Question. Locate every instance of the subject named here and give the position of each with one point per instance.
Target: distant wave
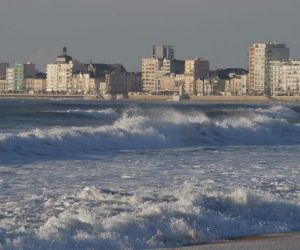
(167, 128)
(279, 112)
(89, 113)
(103, 219)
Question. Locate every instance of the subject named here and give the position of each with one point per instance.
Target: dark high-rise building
(163, 52)
(3, 67)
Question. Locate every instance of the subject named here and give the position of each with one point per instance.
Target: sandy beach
(289, 241)
(220, 99)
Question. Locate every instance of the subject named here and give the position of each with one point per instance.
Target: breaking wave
(168, 128)
(103, 219)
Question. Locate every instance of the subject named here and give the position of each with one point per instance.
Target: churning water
(103, 175)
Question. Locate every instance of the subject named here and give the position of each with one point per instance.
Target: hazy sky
(123, 30)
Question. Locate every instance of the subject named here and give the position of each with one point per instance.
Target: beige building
(35, 85)
(161, 64)
(236, 85)
(205, 87)
(195, 69)
(168, 75)
(149, 68)
(153, 70)
(285, 77)
(84, 84)
(3, 86)
(260, 55)
(172, 83)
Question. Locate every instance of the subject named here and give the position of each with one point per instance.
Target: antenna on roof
(65, 51)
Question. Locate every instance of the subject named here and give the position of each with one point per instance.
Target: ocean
(80, 174)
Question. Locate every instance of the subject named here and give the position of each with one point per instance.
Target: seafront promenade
(161, 98)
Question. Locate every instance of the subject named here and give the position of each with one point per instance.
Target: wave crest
(135, 129)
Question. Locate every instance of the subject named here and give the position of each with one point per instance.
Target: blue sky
(123, 31)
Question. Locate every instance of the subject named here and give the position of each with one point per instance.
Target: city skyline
(123, 31)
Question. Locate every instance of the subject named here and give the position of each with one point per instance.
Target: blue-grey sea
(80, 174)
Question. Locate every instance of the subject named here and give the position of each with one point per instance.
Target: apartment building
(59, 74)
(236, 85)
(172, 83)
(260, 56)
(149, 68)
(205, 87)
(35, 85)
(84, 83)
(116, 83)
(3, 86)
(29, 70)
(195, 69)
(3, 67)
(161, 64)
(285, 77)
(134, 82)
(163, 52)
(15, 77)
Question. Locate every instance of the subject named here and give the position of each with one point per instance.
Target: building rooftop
(64, 57)
(98, 70)
(224, 74)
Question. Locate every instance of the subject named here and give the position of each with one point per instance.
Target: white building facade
(60, 74)
(10, 79)
(285, 77)
(260, 56)
(59, 77)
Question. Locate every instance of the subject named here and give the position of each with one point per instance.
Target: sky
(123, 31)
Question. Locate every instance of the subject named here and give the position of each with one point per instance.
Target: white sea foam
(278, 112)
(181, 216)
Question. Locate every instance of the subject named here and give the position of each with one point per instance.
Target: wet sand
(290, 241)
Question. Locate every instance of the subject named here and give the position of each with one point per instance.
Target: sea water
(126, 175)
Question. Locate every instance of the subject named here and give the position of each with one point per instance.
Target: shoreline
(221, 99)
(165, 98)
(276, 241)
